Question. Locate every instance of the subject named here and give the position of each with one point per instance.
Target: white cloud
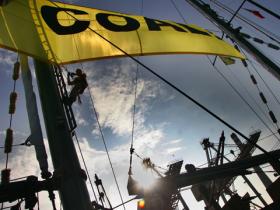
(22, 162)
(113, 96)
(7, 60)
(147, 139)
(24, 166)
(7, 57)
(81, 121)
(172, 150)
(175, 141)
(15, 132)
(114, 99)
(98, 162)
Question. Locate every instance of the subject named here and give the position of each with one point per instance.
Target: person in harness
(79, 84)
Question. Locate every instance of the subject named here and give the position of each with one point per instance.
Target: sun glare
(147, 180)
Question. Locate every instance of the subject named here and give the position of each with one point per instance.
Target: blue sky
(168, 127)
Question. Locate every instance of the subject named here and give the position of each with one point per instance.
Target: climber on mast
(80, 84)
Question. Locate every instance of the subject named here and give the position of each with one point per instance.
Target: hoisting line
(132, 149)
(105, 145)
(133, 121)
(182, 92)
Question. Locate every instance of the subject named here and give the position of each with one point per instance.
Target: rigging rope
(12, 108)
(76, 138)
(6, 173)
(236, 12)
(132, 149)
(242, 98)
(249, 22)
(231, 85)
(249, 94)
(125, 202)
(105, 145)
(16, 145)
(178, 11)
(133, 121)
(38, 201)
(81, 153)
(273, 118)
(85, 165)
(101, 135)
(265, 83)
(274, 161)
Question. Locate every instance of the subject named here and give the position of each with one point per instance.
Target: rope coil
(264, 100)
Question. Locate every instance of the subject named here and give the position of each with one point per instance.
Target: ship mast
(210, 14)
(73, 191)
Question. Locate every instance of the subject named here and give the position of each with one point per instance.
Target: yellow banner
(64, 33)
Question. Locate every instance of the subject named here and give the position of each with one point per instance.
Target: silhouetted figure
(80, 84)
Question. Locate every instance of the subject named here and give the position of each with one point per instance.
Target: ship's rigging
(272, 159)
